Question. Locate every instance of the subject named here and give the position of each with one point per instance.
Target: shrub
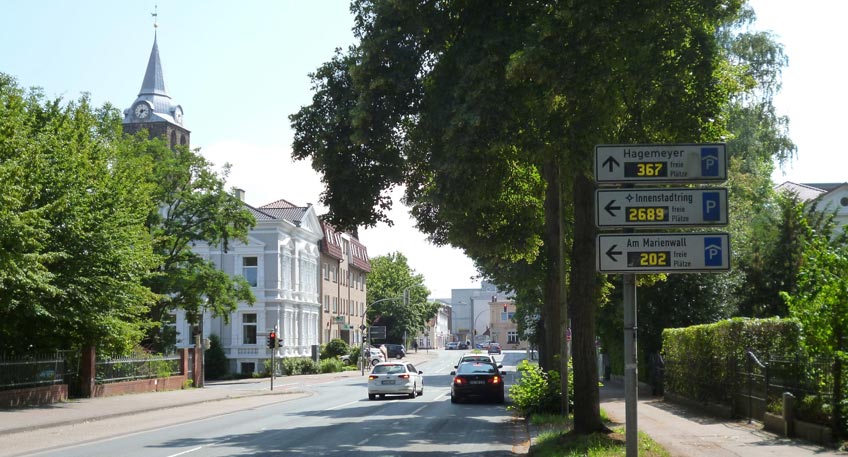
(216, 361)
(814, 409)
(299, 365)
(537, 391)
(331, 366)
(334, 349)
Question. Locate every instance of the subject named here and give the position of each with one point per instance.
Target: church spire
(153, 109)
(154, 82)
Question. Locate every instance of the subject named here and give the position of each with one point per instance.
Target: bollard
(788, 414)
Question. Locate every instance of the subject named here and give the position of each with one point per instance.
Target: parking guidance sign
(671, 207)
(660, 163)
(663, 253)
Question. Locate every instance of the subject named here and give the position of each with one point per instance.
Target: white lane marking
(186, 452)
(418, 410)
(342, 406)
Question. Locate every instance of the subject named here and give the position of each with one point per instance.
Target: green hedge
(700, 361)
(299, 365)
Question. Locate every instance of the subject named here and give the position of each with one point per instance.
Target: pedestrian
(415, 345)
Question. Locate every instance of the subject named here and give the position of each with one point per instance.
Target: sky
(239, 69)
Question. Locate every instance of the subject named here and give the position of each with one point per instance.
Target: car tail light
(403, 376)
(495, 380)
(372, 377)
(458, 381)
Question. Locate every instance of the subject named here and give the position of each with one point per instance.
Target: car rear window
(476, 368)
(388, 369)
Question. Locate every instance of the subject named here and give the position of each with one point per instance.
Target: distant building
(470, 312)
(344, 269)
(831, 197)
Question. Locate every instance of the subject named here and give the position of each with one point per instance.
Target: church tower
(153, 109)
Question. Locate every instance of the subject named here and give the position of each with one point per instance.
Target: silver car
(395, 378)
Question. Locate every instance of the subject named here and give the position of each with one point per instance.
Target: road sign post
(631, 208)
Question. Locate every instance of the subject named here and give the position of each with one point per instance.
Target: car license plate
(388, 382)
(477, 382)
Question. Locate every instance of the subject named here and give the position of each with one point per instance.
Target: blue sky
(240, 68)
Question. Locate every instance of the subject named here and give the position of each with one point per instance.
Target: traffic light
(272, 340)
(505, 307)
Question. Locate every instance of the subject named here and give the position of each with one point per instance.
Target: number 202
(653, 258)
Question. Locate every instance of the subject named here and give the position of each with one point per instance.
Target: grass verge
(558, 440)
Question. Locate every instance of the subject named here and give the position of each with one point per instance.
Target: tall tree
(75, 246)
(489, 113)
(192, 205)
(397, 297)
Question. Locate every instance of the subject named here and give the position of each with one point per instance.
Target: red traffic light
(505, 306)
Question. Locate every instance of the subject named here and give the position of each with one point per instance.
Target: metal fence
(33, 370)
(136, 366)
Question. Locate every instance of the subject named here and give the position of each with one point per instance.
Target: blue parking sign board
(709, 162)
(713, 250)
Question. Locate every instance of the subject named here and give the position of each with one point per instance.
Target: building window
(335, 305)
(327, 303)
(512, 337)
(248, 329)
(505, 317)
(250, 270)
(325, 270)
(248, 367)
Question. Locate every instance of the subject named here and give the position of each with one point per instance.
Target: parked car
(484, 345)
(477, 380)
(494, 348)
(462, 345)
(374, 357)
(395, 378)
(452, 345)
(395, 351)
(477, 358)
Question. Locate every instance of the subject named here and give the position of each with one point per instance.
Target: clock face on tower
(141, 110)
(178, 115)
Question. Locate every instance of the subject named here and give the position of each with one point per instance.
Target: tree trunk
(584, 280)
(554, 289)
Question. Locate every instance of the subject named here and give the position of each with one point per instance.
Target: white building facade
(281, 262)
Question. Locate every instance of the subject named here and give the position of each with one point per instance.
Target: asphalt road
(332, 418)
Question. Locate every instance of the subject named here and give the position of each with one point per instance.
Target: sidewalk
(686, 433)
(91, 409)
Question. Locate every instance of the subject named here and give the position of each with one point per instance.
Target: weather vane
(155, 15)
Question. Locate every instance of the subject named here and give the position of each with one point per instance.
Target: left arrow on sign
(610, 208)
(611, 253)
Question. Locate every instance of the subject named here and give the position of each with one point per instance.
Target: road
(332, 418)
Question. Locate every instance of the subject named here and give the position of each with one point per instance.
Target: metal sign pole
(631, 391)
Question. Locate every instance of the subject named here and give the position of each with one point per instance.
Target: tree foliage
(192, 206)
(75, 246)
(97, 228)
(390, 276)
(489, 112)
